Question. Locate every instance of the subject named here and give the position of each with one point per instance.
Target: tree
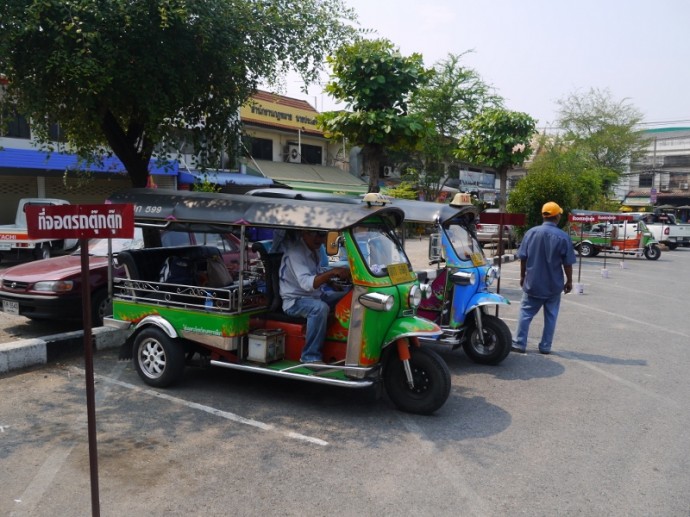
(603, 130)
(499, 139)
(375, 81)
(453, 96)
(557, 157)
(535, 189)
(132, 74)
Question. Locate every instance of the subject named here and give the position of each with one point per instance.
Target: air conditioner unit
(664, 188)
(684, 186)
(293, 155)
(387, 169)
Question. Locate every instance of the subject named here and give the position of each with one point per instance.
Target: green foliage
(535, 189)
(375, 81)
(452, 97)
(603, 130)
(128, 75)
(405, 190)
(206, 185)
(499, 139)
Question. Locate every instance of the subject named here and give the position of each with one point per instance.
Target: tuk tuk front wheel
(497, 341)
(652, 252)
(159, 361)
(431, 381)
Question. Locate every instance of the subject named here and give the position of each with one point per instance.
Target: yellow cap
(551, 209)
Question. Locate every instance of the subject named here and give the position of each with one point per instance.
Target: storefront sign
(276, 114)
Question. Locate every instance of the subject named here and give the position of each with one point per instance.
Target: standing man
(545, 254)
(301, 282)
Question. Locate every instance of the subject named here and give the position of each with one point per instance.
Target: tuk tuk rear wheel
(431, 381)
(652, 252)
(497, 341)
(158, 359)
(585, 249)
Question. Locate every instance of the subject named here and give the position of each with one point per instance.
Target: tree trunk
(371, 156)
(125, 148)
(503, 189)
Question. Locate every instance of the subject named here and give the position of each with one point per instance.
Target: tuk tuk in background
(593, 233)
(458, 290)
(374, 335)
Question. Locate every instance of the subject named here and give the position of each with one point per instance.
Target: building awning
(636, 201)
(35, 162)
(223, 178)
(314, 178)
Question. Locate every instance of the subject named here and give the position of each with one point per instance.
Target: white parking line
(212, 411)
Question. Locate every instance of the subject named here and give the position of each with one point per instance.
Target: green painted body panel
(185, 320)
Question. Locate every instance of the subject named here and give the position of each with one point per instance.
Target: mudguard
(411, 326)
(157, 321)
(477, 300)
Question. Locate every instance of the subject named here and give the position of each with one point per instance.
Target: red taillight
(667, 230)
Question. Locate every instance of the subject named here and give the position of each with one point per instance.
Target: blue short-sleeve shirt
(546, 249)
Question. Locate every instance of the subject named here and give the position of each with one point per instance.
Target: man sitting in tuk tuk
(302, 279)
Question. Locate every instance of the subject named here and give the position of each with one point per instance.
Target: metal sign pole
(88, 367)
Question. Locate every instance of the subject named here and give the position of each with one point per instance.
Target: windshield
(379, 248)
(465, 244)
(99, 247)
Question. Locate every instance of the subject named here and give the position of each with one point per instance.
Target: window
(16, 126)
(262, 148)
(646, 180)
(312, 154)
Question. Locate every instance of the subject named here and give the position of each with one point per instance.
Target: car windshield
(99, 247)
(379, 247)
(465, 244)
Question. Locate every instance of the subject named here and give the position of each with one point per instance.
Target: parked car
(50, 289)
(488, 233)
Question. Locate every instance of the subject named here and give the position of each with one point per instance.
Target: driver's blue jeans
(316, 312)
(529, 306)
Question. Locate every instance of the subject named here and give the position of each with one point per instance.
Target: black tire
(585, 249)
(497, 341)
(671, 245)
(431, 378)
(158, 359)
(652, 252)
(42, 251)
(101, 306)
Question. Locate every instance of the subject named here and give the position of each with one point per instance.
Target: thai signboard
(80, 221)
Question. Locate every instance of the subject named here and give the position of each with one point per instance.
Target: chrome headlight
(415, 296)
(377, 301)
(463, 278)
(492, 274)
(54, 286)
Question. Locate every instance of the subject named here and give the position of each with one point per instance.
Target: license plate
(10, 307)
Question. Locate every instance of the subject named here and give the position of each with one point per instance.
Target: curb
(503, 259)
(31, 352)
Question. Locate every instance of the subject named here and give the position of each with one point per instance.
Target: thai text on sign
(80, 221)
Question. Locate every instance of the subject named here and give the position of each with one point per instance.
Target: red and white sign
(595, 218)
(80, 221)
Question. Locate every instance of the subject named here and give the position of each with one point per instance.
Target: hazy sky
(535, 52)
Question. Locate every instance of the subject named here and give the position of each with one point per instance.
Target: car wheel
(431, 381)
(652, 252)
(101, 306)
(158, 359)
(586, 249)
(497, 341)
(42, 252)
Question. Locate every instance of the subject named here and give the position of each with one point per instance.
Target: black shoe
(518, 350)
(545, 352)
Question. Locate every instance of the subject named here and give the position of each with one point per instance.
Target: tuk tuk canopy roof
(160, 206)
(425, 212)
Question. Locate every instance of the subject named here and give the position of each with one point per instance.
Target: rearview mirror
(332, 243)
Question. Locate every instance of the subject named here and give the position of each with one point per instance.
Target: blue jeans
(316, 313)
(529, 306)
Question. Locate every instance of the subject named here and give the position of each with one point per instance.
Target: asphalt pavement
(597, 428)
